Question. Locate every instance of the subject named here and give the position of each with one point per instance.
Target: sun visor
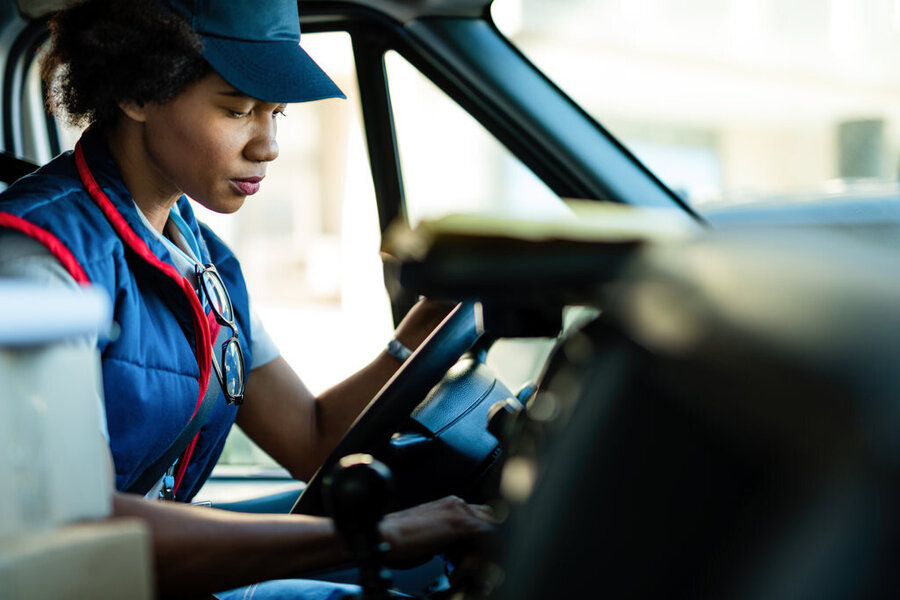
(32, 9)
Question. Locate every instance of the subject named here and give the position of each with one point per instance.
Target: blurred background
(731, 100)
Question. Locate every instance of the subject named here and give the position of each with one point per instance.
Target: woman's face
(211, 142)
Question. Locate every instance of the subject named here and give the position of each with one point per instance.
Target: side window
(450, 162)
(308, 241)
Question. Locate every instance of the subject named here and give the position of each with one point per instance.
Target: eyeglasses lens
(218, 297)
(233, 363)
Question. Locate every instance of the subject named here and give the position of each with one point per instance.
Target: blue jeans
(291, 589)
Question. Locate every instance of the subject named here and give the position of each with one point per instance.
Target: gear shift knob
(356, 493)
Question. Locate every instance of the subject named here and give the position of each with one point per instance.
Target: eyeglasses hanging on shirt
(231, 373)
(229, 364)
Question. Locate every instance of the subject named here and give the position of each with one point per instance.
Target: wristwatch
(396, 349)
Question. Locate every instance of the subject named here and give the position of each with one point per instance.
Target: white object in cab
(53, 465)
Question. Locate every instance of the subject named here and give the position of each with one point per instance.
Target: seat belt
(154, 472)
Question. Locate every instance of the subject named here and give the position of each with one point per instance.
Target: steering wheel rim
(402, 393)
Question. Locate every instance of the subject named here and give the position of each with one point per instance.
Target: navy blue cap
(255, 46)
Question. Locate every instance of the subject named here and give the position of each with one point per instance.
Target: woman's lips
(246, 186)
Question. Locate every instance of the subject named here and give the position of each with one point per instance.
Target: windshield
(740, 100)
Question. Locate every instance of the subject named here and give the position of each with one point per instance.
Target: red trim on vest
(201, 325)
(52, 243)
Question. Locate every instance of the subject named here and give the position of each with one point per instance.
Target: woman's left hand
(421, 320)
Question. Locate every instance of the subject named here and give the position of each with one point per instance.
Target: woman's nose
(263, 147)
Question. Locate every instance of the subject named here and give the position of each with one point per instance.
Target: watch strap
(396, 349)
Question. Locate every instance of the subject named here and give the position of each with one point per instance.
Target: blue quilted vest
(157, 365)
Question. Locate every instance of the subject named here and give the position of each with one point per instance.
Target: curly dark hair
(102, 52)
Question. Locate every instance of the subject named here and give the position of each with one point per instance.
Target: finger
(484, 512)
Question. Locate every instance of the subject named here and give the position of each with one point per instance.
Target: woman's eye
(237, 114)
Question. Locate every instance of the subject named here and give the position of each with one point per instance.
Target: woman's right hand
(448, 525)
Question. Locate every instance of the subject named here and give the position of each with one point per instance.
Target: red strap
(56, 247)
(201, 325)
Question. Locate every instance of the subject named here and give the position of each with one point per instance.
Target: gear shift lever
(356, 494)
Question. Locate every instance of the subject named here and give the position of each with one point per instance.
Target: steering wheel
(387, 412)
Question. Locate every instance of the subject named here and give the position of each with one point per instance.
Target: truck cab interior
(656, 399)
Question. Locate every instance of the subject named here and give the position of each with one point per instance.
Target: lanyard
(187, 261)
(188, 236)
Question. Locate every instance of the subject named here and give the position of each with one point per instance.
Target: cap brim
(269, 71)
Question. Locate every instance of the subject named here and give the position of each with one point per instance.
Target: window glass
(450, 163)
(741, 100)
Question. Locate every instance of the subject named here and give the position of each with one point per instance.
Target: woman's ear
(134, 110)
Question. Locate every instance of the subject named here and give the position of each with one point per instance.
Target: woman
(181, 98)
